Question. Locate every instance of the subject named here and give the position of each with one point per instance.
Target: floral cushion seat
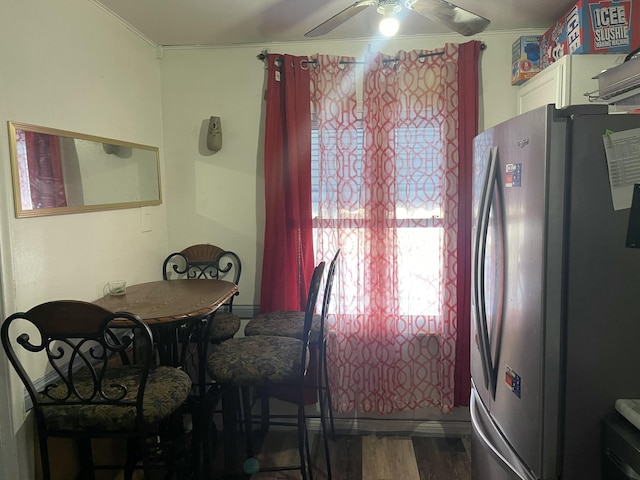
(225, 325)
(284, 324)
(166, 389)
(256, 361)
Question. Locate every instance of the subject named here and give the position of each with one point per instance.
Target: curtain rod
(262, 56)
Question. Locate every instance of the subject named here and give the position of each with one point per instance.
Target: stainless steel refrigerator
(555, 335)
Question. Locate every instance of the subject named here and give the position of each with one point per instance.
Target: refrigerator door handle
(479, 265)
(478, 410)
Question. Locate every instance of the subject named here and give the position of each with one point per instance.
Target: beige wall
(218, 198)
(68, 65)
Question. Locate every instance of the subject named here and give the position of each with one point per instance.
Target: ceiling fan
(454, 17)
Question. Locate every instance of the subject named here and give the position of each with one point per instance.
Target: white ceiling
(229, 22)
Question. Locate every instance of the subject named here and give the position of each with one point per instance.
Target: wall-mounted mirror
(56, 172)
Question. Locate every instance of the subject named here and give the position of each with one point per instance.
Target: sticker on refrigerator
(513, 175)
(513, 381)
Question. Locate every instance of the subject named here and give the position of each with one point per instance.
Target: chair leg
(133, 451)
(248, 420)
(180, 448)
(325, 442)
(85, 456)
(230, 403)
(44, 456)
(207, 412)
(321, 385)
(193, 417)
(303, 442)
(322, 388)
(229, 398)
(251, 464)
(264, 411)
(326, 389)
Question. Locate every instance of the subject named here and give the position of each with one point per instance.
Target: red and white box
(593, 26)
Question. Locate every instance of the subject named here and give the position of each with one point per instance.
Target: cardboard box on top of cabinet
(593, 26)
(525, 58)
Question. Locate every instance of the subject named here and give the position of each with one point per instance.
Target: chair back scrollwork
(204, 262)
(85, 348)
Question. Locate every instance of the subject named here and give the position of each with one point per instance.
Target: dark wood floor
(369, 457)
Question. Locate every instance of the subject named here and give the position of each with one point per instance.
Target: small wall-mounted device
(214, 134)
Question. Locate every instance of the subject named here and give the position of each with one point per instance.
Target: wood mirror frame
(56, 172)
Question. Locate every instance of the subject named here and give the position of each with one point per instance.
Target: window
(418, 218)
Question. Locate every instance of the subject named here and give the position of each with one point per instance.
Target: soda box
(593, 26)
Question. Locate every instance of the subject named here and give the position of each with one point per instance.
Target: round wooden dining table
(169, 305)
(169, 301)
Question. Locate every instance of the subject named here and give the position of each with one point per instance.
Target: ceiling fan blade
(457, 18)
(339, 18)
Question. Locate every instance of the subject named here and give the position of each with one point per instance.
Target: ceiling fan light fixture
(455, 18)
(389, 25)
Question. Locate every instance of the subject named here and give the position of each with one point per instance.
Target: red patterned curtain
(44, 170)
(388, 197)
(288, 239)
(469, 112)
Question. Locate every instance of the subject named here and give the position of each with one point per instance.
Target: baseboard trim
(246, 311)
(429, 428)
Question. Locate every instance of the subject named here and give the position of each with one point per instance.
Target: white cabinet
(565, 82)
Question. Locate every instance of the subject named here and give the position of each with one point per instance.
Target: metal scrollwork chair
(99, 382)
(290, 324)
(205, 261)
(260, 363)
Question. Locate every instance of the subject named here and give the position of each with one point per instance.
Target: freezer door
(508, 282)
(491, 455)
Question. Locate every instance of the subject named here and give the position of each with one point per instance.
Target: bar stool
(290, 324)
(260, 363)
